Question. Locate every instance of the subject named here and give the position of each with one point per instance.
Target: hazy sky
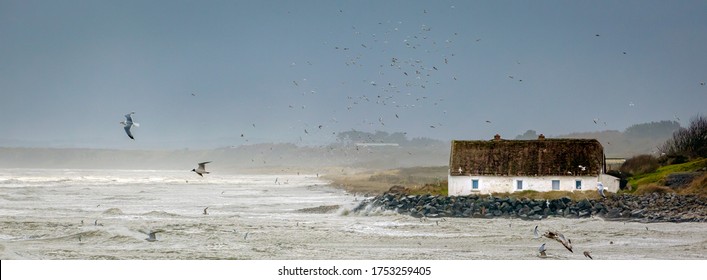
(201, 73)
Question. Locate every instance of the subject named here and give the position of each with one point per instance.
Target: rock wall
(646, 208)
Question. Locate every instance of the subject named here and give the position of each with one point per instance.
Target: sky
(205, 74)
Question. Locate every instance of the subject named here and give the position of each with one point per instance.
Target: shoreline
(648, 208)
(376, 182)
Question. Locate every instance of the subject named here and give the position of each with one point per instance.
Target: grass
(417, 179)
(698, 186)
(657, 177)
(439, 188)
(652, 188)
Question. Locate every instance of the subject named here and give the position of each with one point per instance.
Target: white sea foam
(103, 214)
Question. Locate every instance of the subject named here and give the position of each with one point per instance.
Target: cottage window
(475, 184)
(578, 184)
(519, 184)
(555, 185)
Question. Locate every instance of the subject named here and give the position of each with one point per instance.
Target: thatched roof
(527, 157)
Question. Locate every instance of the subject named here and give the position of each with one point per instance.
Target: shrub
(672, 159)
(690, 142)
(640, 164)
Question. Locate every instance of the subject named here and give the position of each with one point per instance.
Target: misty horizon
(231, 142)
(218, 74)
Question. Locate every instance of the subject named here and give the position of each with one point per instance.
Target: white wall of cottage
(462, 185)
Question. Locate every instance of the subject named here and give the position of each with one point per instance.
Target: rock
(655, 207)
(584, 204)
(525, 210)
(613, 213)
(637, 213)
(682, 179)
(558, 203)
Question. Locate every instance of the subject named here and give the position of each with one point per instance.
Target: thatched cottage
(499, 166)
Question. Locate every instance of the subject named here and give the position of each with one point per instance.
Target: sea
(85, 214)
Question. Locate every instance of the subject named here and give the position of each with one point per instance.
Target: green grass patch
(659, 175)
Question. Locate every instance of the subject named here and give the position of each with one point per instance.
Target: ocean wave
(122, 238)
(113, 211)
(52, 177)
(161, 214)
(17, 198)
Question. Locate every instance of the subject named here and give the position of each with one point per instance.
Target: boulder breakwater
(656, 207)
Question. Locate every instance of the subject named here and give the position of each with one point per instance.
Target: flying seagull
(600, 189)
(201, 169)
(542, 250)
(587, 254)
(128, 123)
(536, 235)
(559, 237)
(152, 235)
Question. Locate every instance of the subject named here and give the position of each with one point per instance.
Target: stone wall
(647, 208)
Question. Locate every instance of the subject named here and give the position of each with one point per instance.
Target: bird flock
(402, 82)
(390, 70)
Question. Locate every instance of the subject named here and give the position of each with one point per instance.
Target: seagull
(600, 189)
(587, 254)
(536, 235)
(128, 123)
(151, 236)
(201, 169)
(542, 250)
(559, 237)
(206, 213)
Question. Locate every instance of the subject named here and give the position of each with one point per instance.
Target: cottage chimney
(541, 137)
(497, 137)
